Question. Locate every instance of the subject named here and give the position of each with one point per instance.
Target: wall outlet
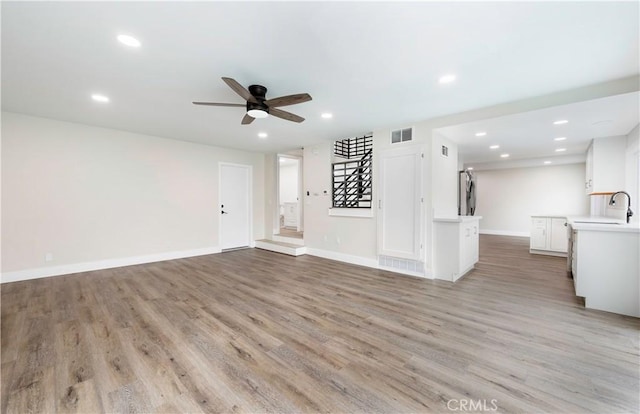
(338, 240)
(325, 238)
(48, 257)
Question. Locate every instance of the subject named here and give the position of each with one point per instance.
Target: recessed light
(469, 168)
(561, 122)
(327, 115)
(547, 162)
(560, 139)
(129, 40)
(561, 149)
(504, 155)
(494, 147)
(262, 135)
(99, 98)
(480, 134)
(447, 78)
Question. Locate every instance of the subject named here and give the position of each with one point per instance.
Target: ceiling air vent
(401, 135)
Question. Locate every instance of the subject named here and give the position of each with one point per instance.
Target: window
(353, 179)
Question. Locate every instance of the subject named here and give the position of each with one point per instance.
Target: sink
(597, 222)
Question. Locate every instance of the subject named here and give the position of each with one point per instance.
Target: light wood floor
(291, 232)
(255, 331)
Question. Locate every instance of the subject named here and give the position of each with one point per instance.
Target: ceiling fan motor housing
(259, 92)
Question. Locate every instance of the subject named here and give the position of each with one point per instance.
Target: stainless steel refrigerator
(466, 193)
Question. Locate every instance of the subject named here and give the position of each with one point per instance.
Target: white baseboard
(506, 233)
(102, 264)
(341, 257)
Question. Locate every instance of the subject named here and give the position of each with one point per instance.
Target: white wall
(507, 198)
(445, 177)
(632, 174)
(346, 236)
(289, 183)
(87, 194)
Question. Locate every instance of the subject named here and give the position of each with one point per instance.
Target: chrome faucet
(612, 202)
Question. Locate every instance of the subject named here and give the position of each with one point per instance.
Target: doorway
(235, 224)
(290, 218)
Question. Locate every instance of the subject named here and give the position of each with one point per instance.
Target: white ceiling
(530, 135)
(373, 65)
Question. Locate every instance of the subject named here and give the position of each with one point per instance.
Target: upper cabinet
(605, 165)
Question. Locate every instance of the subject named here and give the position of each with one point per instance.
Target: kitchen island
(605, 263)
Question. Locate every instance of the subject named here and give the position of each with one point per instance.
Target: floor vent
(412, 267)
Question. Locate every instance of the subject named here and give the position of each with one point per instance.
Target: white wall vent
(401, 135)
(407, 266)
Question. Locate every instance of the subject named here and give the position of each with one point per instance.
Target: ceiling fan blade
(247, 119)
(288, 100)
(285, 115)
(240, 90)
(219, 104)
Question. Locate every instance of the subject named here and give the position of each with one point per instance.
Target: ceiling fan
(258, 106)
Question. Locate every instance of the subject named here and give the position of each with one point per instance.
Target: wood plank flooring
(254, 331)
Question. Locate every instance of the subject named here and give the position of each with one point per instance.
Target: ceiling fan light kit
(258, 106)
(257, 113)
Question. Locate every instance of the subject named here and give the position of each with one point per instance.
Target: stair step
(290, 240)
(281, 247)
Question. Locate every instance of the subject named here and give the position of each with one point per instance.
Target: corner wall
(97, 196)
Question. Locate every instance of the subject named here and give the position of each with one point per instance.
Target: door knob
(224, 212)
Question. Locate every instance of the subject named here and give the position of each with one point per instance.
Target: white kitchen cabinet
(469, 245)
(605, 267)
(456, 246)
(538, 240)
(605, 165)
(548, 235)
(558, 238)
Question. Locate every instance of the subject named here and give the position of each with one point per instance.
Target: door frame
(249, 168)
(300, 159)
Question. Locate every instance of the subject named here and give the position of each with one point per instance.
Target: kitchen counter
(605, 265)
(456, 248)
(595, 223)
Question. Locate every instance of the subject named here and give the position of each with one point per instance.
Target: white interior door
(235, 205)
(399, 203)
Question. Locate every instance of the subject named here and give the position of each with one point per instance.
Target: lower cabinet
(456, 247)
(606, 270)
(469, 245)
(549, 235)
